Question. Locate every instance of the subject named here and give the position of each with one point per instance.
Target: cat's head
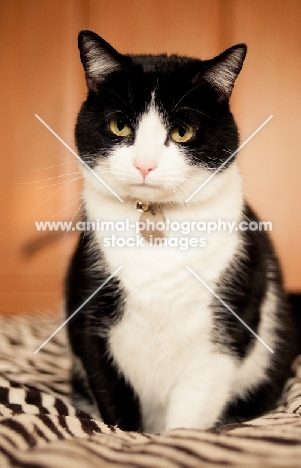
(156, 127)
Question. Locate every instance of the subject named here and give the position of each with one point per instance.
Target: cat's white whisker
(62, 184)
(56, 191)
(55, 165)
(78, 157)
(65, 208)
(265, 200)
(174, 108)
(50, 178)
(119, 97)
(177, 195)
(80, 206)
(66, 232)
(198, 111)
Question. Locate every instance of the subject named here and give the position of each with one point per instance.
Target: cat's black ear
(222, 71)
(98, 57)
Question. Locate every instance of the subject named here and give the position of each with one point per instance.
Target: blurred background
(41, 74)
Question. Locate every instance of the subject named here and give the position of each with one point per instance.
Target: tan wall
(41, 73)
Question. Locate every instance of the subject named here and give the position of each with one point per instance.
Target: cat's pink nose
(145, 170)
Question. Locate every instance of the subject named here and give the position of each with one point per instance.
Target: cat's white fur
(163, 342)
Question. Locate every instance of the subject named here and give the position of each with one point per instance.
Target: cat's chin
(148, 193)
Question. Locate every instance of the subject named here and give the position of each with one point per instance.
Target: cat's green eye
(120, 127)
(181, 134)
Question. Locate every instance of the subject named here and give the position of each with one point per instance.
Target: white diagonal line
(229, 308)
(77, 310)
(76, 155)
(228, 159)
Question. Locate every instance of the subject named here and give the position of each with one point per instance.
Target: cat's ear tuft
(98, 57)
(223, 70)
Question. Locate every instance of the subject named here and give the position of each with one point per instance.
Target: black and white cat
(155, 349)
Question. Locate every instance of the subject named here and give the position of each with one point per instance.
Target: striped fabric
(39, 427)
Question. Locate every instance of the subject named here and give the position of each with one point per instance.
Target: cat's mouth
(146, 185)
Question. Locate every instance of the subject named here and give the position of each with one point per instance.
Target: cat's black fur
(186, 93)
(249, 279)
(114, 398)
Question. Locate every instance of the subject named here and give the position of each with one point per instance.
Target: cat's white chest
(164, 338)
(162, 332)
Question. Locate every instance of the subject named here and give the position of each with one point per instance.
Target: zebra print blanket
(39, 427)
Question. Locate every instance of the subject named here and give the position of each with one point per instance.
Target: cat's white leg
(198, 401)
